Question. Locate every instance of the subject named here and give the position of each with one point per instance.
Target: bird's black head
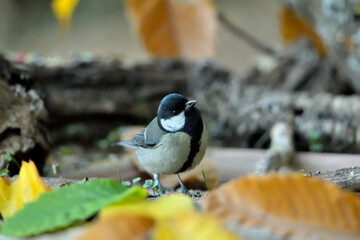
(176, 113)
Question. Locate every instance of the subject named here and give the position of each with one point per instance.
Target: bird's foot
(161, 190)
(184, 190)
(183, 187)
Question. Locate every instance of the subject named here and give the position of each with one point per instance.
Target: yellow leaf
(175, 28)
(198, 226)
(63, 10)
(168, 217)
(25, 189)
(292, 27)
(288, 204)
(160, 209)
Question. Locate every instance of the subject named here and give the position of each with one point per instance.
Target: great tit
(175, 141)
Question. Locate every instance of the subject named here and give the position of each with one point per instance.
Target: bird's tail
(125, 144)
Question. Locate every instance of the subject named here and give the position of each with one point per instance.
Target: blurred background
(105, 28)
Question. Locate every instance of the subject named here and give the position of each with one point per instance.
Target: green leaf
(54, 168)
(205, 180)
(316, 147)
(126, 183)
(5, 171)
(135, 180)
(148, 183)
(75, 129)
(315, 135)
(65, 150)
(8, 157)
(63, 206)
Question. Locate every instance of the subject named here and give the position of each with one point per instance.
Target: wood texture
(281, 150)
(104, 95)
(21, 130)
(337, 24)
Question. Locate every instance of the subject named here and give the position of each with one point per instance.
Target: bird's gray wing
(149, 137)
(153, 133)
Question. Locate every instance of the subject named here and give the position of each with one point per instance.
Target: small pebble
(317, 173)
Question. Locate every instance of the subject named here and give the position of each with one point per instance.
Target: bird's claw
(184, 190)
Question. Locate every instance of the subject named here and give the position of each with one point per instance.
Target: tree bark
(22, 134)
(347, 178)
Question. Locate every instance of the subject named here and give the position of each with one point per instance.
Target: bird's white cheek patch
(175, 123)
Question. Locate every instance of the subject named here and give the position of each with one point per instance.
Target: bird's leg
(183, 187)
(161, 189)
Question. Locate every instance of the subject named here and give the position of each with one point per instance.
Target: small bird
(175, 141)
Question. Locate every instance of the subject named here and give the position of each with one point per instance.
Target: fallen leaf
(192, 225)
(167, 217)
(25, 189)
(66, 205)
(160, 209)
(111, 228)
(292, 27)
(288, 204)
(175, 28)
(63, 10)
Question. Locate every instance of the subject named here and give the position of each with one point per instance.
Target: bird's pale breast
(168, 157)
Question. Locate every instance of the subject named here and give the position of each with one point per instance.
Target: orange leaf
(25, 189)
(168, 217)
(128, 227)
(288, 204)
(175, 28)
(292, 27)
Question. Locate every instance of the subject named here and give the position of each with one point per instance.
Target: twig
(281, 150)
(241, 33)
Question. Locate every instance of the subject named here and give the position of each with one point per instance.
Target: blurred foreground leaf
(191, 225)
(169, 217)
(25, 189)
(175, 28)
(63, 206)
(288, 204)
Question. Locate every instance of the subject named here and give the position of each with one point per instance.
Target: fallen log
(22, 134)
(104, 95)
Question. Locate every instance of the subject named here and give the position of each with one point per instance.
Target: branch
(347, 178)
(242, 34)
(281, 150)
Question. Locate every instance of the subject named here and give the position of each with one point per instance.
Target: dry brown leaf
(175, 28)
(119, 227)
(292, 27)
(288, 204)
(169, 217)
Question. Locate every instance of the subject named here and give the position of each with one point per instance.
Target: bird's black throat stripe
(195, 133)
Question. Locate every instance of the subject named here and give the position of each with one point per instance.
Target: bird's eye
(174, 113)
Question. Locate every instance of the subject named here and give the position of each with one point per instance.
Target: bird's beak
(189, 104)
